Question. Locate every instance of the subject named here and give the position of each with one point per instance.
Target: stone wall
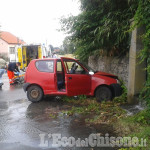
(113, 65)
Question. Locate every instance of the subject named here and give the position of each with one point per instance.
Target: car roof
(53, 58)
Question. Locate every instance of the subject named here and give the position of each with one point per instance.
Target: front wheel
(34, 93)
(103, 93)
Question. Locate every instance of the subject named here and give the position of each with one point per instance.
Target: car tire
(103, 94)
(34, 93)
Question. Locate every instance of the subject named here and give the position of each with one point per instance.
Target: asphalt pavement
(34, 126)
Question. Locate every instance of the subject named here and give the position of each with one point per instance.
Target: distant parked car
(70, 77)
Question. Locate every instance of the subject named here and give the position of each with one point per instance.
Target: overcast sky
(36, 21)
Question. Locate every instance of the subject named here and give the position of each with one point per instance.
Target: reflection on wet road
(21, 121)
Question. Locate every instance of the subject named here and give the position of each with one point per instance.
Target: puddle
(133, 109)
(23, 121)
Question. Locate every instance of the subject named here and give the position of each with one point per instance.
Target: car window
(87, 67)
(72, 67)
(45, 66)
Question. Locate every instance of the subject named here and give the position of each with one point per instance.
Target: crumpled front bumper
(116, 89)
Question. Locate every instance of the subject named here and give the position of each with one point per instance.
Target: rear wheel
(34, 93)
(103, 93)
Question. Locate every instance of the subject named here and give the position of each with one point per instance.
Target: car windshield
(87, 67)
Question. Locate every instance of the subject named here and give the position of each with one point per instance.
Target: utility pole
(137, 72)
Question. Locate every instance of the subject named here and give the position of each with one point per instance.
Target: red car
(70, 77)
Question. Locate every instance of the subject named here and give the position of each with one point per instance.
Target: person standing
(12, 67)
(54, 55)
(2, 70)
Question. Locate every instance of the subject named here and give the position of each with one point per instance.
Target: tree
(102, 26)
(51, 47)
(68, 46)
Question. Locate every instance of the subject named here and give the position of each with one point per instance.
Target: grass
(130, 126)
(111, 113)
(101, 112)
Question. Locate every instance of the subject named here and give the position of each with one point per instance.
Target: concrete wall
(129, 69)
(113, 65)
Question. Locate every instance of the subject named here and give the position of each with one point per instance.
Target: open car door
(77, 78)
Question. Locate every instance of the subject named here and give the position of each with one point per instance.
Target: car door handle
(69, 78)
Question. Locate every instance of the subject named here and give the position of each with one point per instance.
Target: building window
(12, 50)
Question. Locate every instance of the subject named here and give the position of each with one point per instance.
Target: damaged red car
(70, 77)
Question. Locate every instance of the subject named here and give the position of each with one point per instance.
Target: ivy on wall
(142, 18)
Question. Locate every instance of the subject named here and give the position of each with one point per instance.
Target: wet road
(23, 124)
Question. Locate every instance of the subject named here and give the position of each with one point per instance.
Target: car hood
(106, 74)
